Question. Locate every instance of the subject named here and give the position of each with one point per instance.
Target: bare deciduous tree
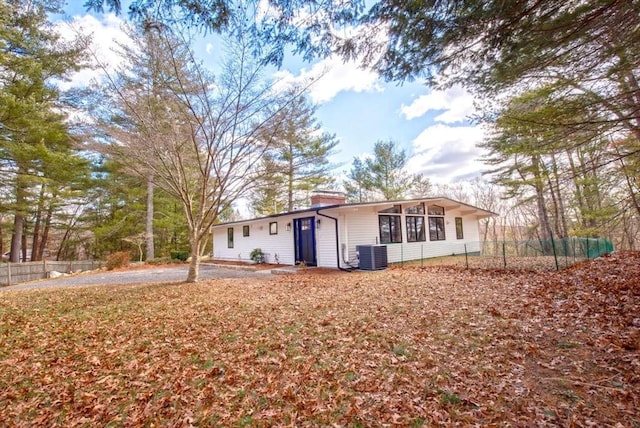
(200, 137)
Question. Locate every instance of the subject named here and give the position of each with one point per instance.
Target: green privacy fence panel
(596, 247)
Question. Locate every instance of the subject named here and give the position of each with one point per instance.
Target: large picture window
(230, 237)
(436, 229)
(390, 229)
(415, 229)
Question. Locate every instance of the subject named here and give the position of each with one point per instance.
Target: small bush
(257, 255)
(118, 259)
(180, 255)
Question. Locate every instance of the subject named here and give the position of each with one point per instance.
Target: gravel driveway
(152, 274)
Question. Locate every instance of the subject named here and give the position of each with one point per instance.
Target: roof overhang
(446, 203)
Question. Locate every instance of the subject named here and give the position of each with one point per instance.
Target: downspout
(335, 220)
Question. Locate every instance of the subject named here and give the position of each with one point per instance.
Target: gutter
(335, 220)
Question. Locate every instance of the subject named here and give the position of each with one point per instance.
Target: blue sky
(355, 105)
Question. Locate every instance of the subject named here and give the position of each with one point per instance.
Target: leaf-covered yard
(407, 346)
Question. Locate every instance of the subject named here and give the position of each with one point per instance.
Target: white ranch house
(329, 233)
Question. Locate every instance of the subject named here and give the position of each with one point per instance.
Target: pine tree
(36, 149)
(382, 177)
(357, 184)
(297, 162)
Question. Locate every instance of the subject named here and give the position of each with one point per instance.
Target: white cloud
(208, 48)
(333, 76)
(447, 153)
(456, 102)
(104, 36)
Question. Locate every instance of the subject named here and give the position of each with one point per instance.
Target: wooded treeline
(151, 156)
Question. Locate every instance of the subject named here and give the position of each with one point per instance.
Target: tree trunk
(290, 172)
(590, 192)
(543, 217)
(629, 182)
(25, 255)
(18, 220)
(63, 243)
(45, 231)
(1, 237)
(36, 243)
(194, 266)
(561, 205)
(579, 189)
(555, 206)
(149, 225)
(70, 227)
(16, 238)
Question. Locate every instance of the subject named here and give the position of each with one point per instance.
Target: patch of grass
(350, 376)
(450, 398)
(418, 422)
(561, 296)
(230, 337)
(246, 421)
(401, 349)
(567, 345)
(569, 395)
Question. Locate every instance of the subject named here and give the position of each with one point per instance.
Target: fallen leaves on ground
(407, 346)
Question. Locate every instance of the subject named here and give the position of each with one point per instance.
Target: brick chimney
(320, 198)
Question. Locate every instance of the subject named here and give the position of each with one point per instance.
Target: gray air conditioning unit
(372, 257)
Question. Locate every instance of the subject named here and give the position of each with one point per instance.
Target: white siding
(278, 248)
(357, 225)
(282, 244)
(326, 243)
(360, 227)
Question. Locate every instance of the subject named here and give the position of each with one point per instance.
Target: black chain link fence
(553, 254)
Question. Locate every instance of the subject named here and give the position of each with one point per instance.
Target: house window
(396, 209)
(415, 209)
(390, 229)
(415, 229)
(436, 223)
(435, 210)
(459, 232)
(245, 230)
(273, 228)
(436, 229)
(230, 237)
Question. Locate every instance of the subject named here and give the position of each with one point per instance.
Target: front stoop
(234, 267)
(282, 270)
(287, 270)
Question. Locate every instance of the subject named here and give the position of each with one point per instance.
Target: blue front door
(305, 240)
